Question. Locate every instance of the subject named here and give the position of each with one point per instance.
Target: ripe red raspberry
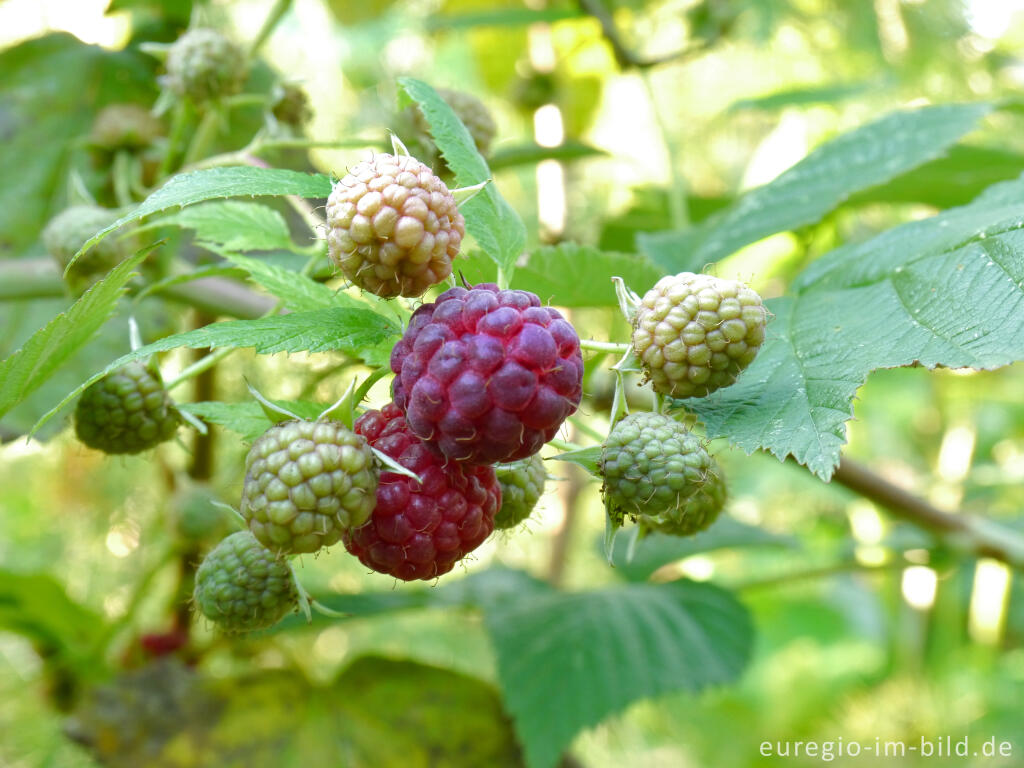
(487, 375)
(420, 530)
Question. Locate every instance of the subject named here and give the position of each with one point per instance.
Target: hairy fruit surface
(660, 474)
(306, 483)
(419, 530)
(241, 586)
(487, 375)
(203, 65)
(393, 226)
(522, 485)
(127, 411)
(696, 333)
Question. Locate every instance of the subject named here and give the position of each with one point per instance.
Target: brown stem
(974, 534)
(624, 56)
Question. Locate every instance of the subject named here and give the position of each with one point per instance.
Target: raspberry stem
(603, 346)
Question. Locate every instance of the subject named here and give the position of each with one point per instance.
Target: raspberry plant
(445, 376)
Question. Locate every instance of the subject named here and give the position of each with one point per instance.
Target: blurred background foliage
(866, 627)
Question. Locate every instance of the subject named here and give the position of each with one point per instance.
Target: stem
(30, 279)
(816, 573)
(277, 11)
(564, 445)
(677, 192)
(625, 57)
(203, 137)
(179, 124)
(198, 367)
(603, 346)
(977, 535)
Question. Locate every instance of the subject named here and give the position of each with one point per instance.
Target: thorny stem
(277, 12)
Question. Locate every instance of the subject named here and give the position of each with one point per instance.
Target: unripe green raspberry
(291, 105)
(124, 126)
(241, 586)
(306, 483)
(471, 111)
(393, 226)
(522, 485)
(696, 333)
(66, 234)
(203, 65)
(197, 518)
(660, 474)
(127, 411)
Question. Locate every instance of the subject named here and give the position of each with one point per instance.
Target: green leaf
(248, 418)
(830, 93)
(195, 187)
(655, 549)
(50, 346)
(341, 329)
(233, 225)
(567, 661)
(956, 179)
(40, 142)
(378, 712)
(569, 274)
(863, 158)
(945, 291)
(298, 292)
(489, 218)
(588, 458)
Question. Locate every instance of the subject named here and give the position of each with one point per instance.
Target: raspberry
(487, 375)
(241, 586)
(393, 226)
(203, 65)
(696, 333)
(306, 482)
(661, 475)
(127, 411)
(471, 111)
(124, 126)
(68, 231)
(522, 485)
(420, 530)
(291, 105)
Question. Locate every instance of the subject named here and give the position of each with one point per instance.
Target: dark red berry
(419, 530)
(487, 375)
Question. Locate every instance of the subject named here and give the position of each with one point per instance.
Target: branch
(40, 278)
(624, 56)
(977, 535)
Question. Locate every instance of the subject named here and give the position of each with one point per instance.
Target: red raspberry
(487, 375)
(419, 531)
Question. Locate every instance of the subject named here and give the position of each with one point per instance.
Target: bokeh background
(865, 627)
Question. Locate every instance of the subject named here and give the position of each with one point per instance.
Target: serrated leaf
(489, 218)
(341, 329)
(213, 183)
(863, 158)
(49, 347)
(945, 291)
(607, 649)
(656, 549)
(233, 225)
(588, 458)
(298, 292)
(247, 418)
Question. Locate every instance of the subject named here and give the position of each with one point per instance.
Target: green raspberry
(203, 65)
(659, 474)
(696, 333)
(67, 232)
(471, 111)
(306, 483)
(197, 518)
(124, 126)
(291, 105)
(241, 586)
(127, 411)
(522, 485)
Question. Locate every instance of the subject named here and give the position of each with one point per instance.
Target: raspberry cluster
(420, 529)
